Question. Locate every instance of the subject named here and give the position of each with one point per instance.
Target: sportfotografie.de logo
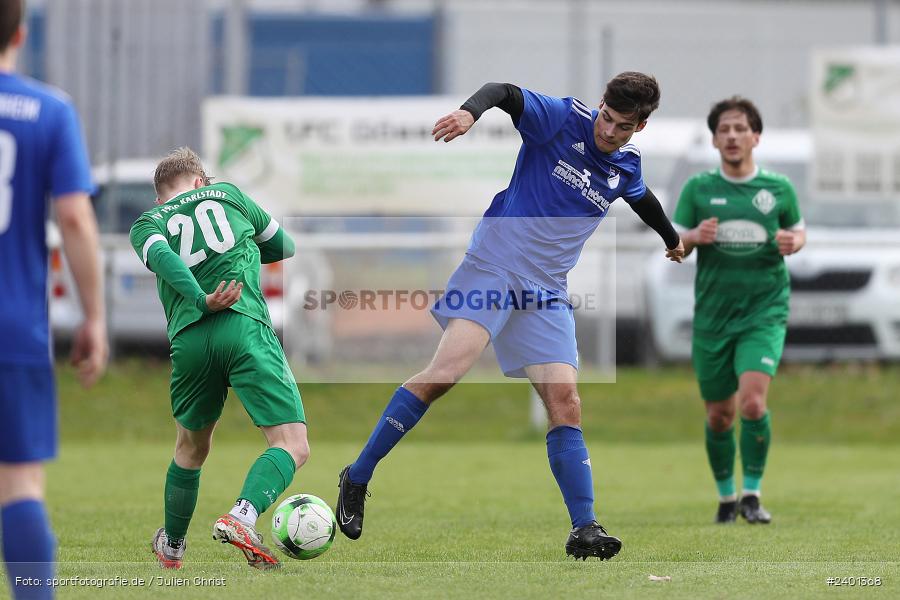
(419, 299)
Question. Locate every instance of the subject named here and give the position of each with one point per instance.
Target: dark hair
(735, 103)
(10, 18)
(632, 93)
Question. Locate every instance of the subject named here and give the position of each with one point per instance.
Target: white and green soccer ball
(303, 526)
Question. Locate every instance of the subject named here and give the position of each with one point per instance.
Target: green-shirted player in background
(743, 220)
(199, 237)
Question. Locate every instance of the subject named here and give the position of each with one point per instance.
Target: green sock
(270, 475)
(755, 438)
(182, 486)
(721, 449)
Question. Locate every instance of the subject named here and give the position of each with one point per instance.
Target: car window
(118, 206)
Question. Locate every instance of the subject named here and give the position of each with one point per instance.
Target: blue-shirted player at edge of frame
(573, 163)
(42, 156)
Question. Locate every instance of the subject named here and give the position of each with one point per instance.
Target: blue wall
(294, 55)
(34, 45)
(312, 55)
(341, 55)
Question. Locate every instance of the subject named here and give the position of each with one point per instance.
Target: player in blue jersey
(573, 163)
(42, 156)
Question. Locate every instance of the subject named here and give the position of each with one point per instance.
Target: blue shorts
(529, 325)
(28, 430)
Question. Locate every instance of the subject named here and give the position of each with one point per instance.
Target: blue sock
(28, 548)
(571, 466)
(402, 413)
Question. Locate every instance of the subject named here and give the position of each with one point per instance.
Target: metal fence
(136, 69)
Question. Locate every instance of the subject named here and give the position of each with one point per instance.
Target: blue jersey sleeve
(71, 169)
(542, 117)
(636, 188)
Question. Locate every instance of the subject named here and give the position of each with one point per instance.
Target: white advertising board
(334, 156)
(855, 101)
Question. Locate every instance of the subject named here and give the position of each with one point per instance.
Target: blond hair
(180, 162)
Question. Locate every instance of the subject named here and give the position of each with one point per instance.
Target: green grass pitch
(467, 506)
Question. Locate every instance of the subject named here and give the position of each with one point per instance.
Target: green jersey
(215, 231)
(741, 278)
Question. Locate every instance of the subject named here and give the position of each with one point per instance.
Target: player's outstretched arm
(81, 241)
(651, 212)
(676, 254)
(505, 96)
(450, 127)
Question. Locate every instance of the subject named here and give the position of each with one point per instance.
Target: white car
(845, 284)
(843, 300)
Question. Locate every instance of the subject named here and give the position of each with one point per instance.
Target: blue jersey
(42, 154)
(560, 190)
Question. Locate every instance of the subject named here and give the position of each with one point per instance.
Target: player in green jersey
(199, 237)
(743, 220)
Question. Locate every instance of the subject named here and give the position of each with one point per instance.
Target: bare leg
(192, 447)
(461, 344)
(290, 437)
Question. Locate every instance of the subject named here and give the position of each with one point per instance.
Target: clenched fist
(706, 231)
(788, 242)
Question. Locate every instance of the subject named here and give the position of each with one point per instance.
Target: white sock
(746, 493)
(728, 498)
(244, 512)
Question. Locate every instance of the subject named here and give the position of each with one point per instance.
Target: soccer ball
(303, 526)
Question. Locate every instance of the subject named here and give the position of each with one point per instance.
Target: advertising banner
(855, 103)
(338, 156)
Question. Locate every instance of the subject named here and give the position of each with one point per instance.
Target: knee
(720, 418)
(753, 410)
(21, 482)
(753, 405)
(720, 422)
(192, 454)
(564, 407)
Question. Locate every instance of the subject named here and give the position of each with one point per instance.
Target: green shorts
(228, 349)
(720, 359)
